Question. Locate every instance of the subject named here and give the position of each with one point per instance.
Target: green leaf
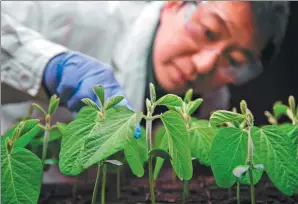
(24, 127)
(152, 92)
(110, 136)
(279, 109)
(113, 101)
(292, 104)
(61, 127)
(54, 103)
(113, 162)
(188, 96)
(100, 93)
(73, 140)
(133, 158)
(40, 109)
(179, 143)
(162, 145)
(169, 100)
(86, 112)
(193, 106)
(221, 117)
(25, 139)
(159, 153)
(21, 175)
(228, 150)
(257, 175)
(276, 151)
(90, 103)
(201, 140)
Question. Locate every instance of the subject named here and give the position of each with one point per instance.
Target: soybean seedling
(21, 170)
(53, 105)
(243, 154)
(175, 143)
(290, 111)
(97, 133)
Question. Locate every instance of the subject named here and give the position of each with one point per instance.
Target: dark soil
(136, 190)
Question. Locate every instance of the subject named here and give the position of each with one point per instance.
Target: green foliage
(90, 103)
(201, 139)
(99, 91)
(113, 101)
(228, 150)
(21, 170)
(222, 117)
(192, 106)
(178, 144)
(170, 100)
(276, 151)
(54, 103)
(109, 136)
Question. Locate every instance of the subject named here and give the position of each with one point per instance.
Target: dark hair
(271, 20)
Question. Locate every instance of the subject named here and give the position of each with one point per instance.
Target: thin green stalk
(118, 183)
(46, 139)
(149, 147)
(185, 191)
(96, 185)
(74, 188)
(250, 163)
(238, 192)
(230, 192)
(45, 146)
(103, 185)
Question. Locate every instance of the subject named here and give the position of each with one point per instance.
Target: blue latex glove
(72, 76)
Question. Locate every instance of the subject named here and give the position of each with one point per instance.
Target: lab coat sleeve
(24, 55)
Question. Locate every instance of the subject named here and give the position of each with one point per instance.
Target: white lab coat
(116, 33)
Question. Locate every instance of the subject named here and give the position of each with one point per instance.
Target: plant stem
(149, 147)
(118, 183)
(96, 185)
(230, 192)
(185, 191)
(45, 146)
(103, 185)
(238, 192)
(250, 163)
(74, 188)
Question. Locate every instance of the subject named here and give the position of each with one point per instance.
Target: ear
(171, 6)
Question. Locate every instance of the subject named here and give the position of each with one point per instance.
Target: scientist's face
(192, 39)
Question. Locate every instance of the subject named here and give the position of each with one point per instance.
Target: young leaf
(279, 109)
(114, 135)
(170, 100)
(292, 104)
(276, 151)
(24, 127)
(228, 150)
(113, 162)
(25, 139)
(54, 103)
(179, 143)
(201, 140)
(90, 103)
(133, 158)
(193, 106)
(221, 117)
(85, 112)
(73, 141)
(100, 93)
(21, 175)
(159, 153)
(188, 96)
(113, 101)
(40, 109)
(152, 93)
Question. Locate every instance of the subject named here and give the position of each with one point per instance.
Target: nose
(205, 60)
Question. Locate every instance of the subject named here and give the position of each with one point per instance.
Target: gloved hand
(72, 76)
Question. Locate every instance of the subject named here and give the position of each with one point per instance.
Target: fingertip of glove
(138, 132)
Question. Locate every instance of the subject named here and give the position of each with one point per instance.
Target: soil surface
(167, 190)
